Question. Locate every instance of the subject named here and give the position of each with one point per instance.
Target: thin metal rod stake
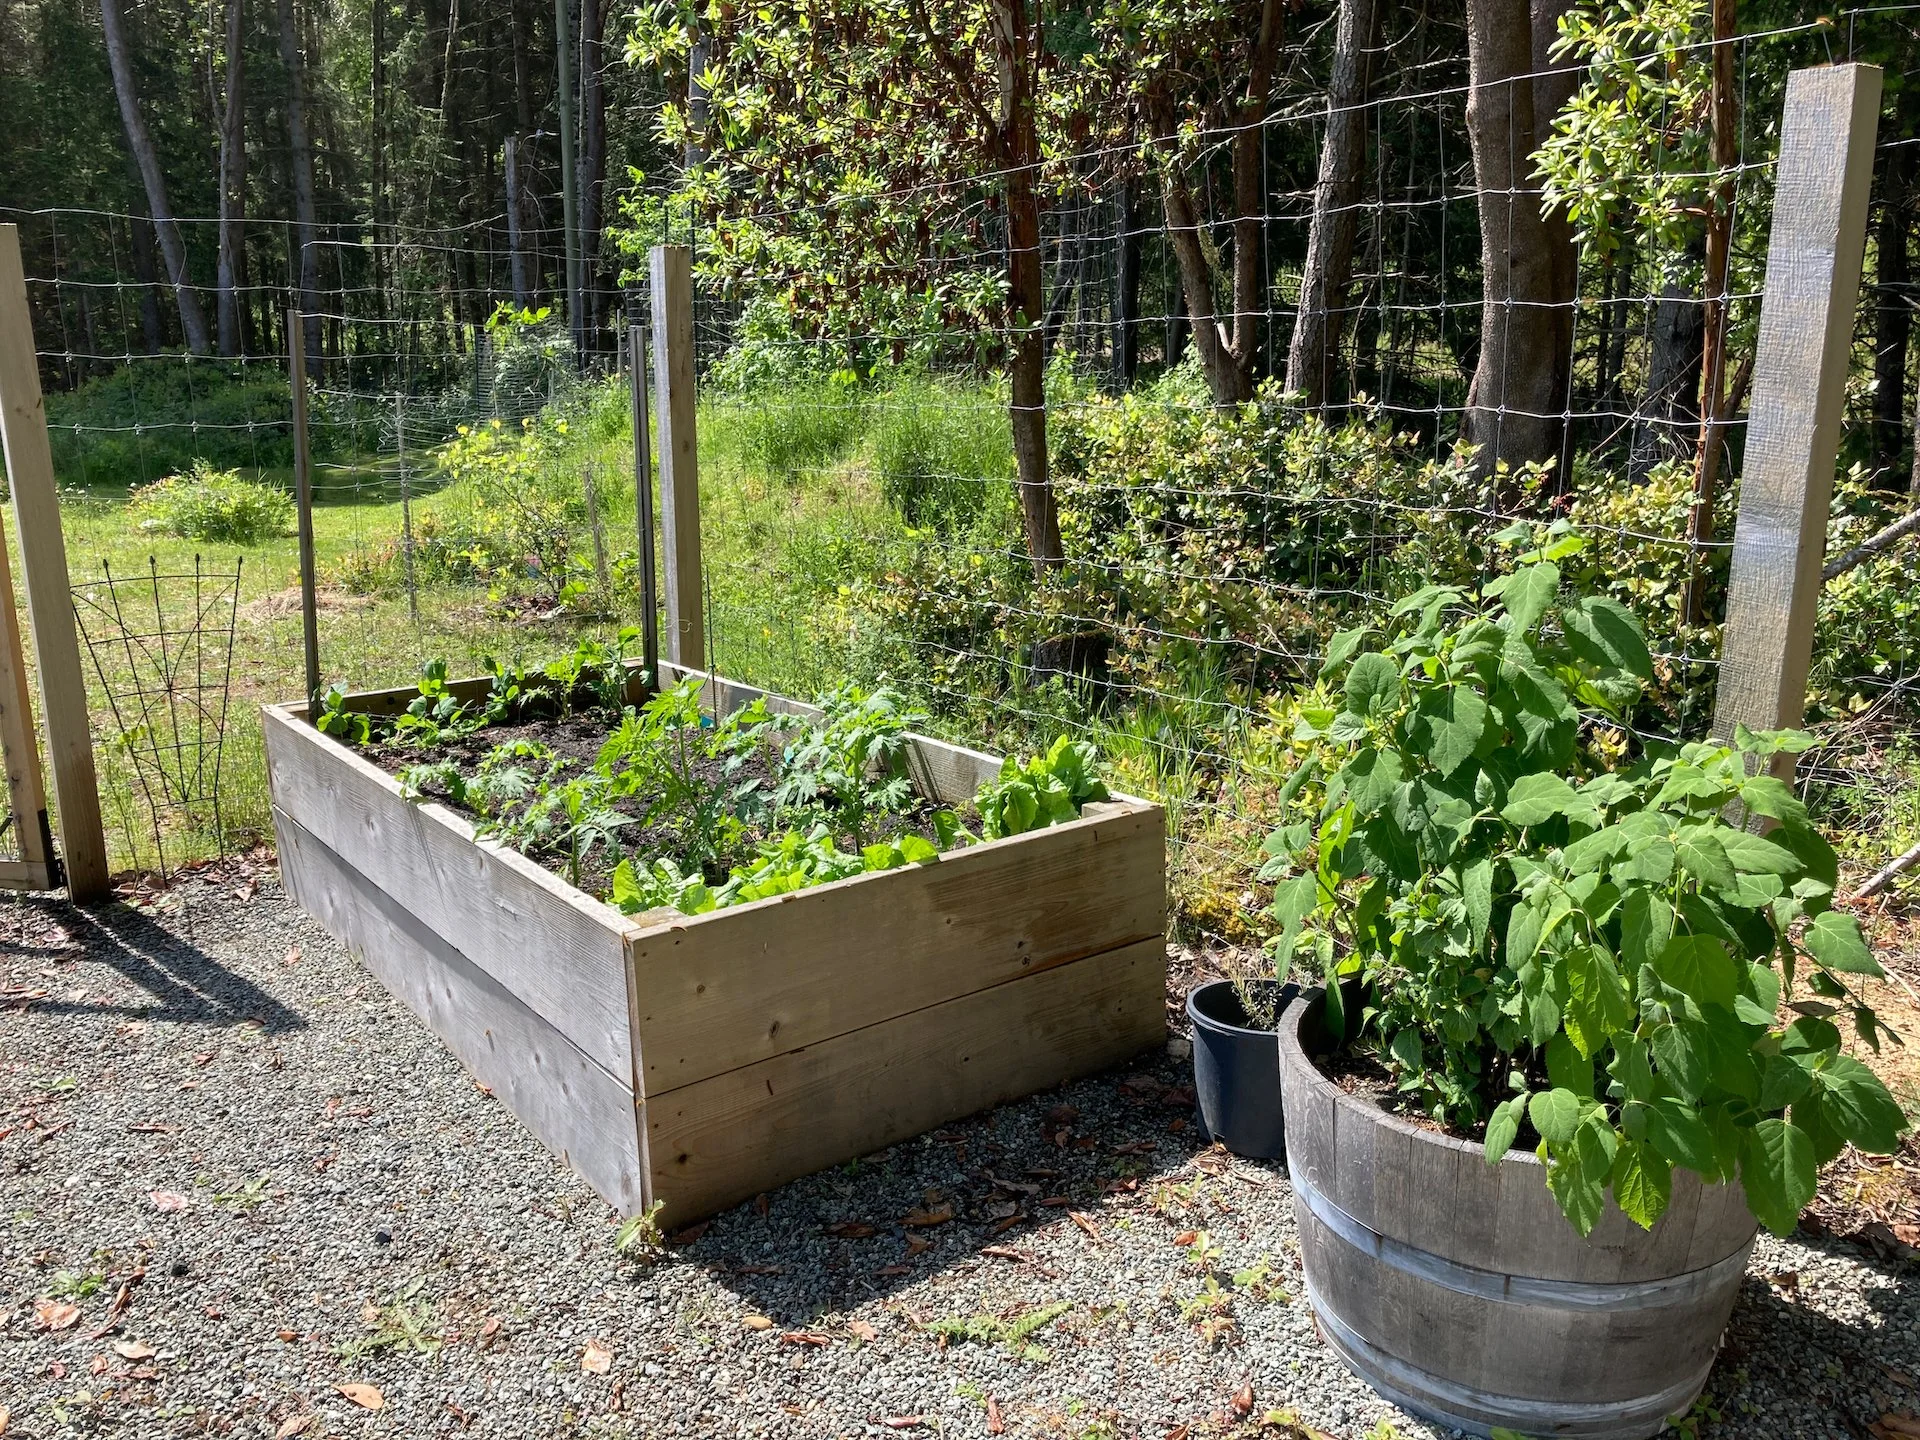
(643, 495)
(303, 504)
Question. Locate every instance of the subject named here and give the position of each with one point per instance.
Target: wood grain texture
(20, 749)
(719, 991)
(43, 566)
(725, 1139)
(562, 952)
(1798, 395)
(574, 1106)
(671, 268)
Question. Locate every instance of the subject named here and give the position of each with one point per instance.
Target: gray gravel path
(257, 1179)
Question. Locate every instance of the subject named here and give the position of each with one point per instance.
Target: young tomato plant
(1557, 930)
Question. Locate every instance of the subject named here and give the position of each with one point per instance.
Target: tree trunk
(1126, 287)
(522, 68)
(233, 186)
(193, 320)
(1713, 350)
(697, 94)
(1893, 315)
(1020, 146)
(593, 161)
(305, 235)
(1314, 353)
(1554, 83)
(1196, 277)
(1513, 407)
(516, 251)
(1669, 411)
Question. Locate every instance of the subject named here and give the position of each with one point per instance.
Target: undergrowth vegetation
(217, 506)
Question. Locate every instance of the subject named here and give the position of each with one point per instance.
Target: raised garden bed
(700, 1060)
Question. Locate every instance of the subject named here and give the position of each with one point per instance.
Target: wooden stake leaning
(303, 503)
(1799, 381)
(643, 507)
(43, 564)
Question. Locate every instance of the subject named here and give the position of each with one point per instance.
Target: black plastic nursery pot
(1236, 1069)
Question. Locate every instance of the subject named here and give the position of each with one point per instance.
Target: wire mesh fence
(860, 455)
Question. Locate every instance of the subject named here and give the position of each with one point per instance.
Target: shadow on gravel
(988, 1190)
(187, 985)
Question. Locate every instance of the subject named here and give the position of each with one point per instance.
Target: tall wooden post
(43, 563)
(643, 506)
(303, 504)
(672, 276)
(1799, 391)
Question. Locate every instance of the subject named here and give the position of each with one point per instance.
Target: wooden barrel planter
(1461, 1293)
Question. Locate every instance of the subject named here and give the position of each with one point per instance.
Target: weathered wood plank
(43, 566)
(727, 1138)
(672, 274)
(734, 987)
(1801, 359)
(575, 1107)
(562, 952)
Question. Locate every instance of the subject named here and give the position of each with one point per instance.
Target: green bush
(156, 417)
(216, 506)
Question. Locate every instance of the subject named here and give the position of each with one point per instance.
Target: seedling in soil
(253, 1193)
(1012, 1335)
(640, 1235)
(405, 1323)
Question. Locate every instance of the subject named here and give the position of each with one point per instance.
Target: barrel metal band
(1476, 1411)
(1516, 1289)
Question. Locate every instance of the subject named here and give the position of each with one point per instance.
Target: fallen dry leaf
(917, 1244)
(596, 1359)
(489, 1330)
(367, 1397)
(205, 1057)
(133, 1349)
(6, 1416)
(922, 1219)
(904, 1422)
(167, 1201)
(761, 1205)
(1062, 1115)
(757, 1322)
(1000, 1227)
(850, 1230)
(1005, 1252)
(1243, 1399)
(805, 1337)
(1186, 1238)
(861, 1330)
(1894, 1427)
(995, 1425)
(293, 955)
(55, 1314)
(293, 1425)
(1085, 1222)
(894, 1270)
(98, 1365)
(680, 1239)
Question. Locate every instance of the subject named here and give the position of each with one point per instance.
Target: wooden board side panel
(576, 1108)
(730, 1137)
(562, 953)
(736, 987)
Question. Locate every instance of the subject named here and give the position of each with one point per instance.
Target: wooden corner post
(1814, 255)
(672, 276)
(43, 563)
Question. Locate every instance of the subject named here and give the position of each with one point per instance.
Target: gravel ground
(258, 1180)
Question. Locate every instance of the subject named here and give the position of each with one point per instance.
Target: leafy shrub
(157, 417)
(215, 506)
(1601, 963)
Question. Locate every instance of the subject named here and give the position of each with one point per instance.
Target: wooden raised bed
(701, 1060)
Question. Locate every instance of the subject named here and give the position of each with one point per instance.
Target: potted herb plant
(1594, 1034)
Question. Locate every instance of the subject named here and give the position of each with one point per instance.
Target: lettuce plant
(1626, 952)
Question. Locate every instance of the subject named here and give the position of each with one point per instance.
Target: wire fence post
(1814, 258)
(303, 503)
(406, 505)
(672, 276)
(43, 564)
(643, 505)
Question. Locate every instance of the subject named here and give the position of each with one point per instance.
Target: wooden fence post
(1814, 255)
(43, 563)
(672, 275)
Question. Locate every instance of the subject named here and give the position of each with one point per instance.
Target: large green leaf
(1856, 1103)
(1555, 1114)
(1680, 1050)
(1699, 966)
(1578, 1177)
(1834, 939)
(1528, 592)
(1370, 778)
(1698, 850)
(1777, 1170)
(1646, 924)
(1539, 797)
(1606, 635)
(1476, 889)
(1597, 1004)
(1642, 1183)
(1676, 1128)
(1372, 684)
(1452, 722)
(1753, 855)
(1502, 1126)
